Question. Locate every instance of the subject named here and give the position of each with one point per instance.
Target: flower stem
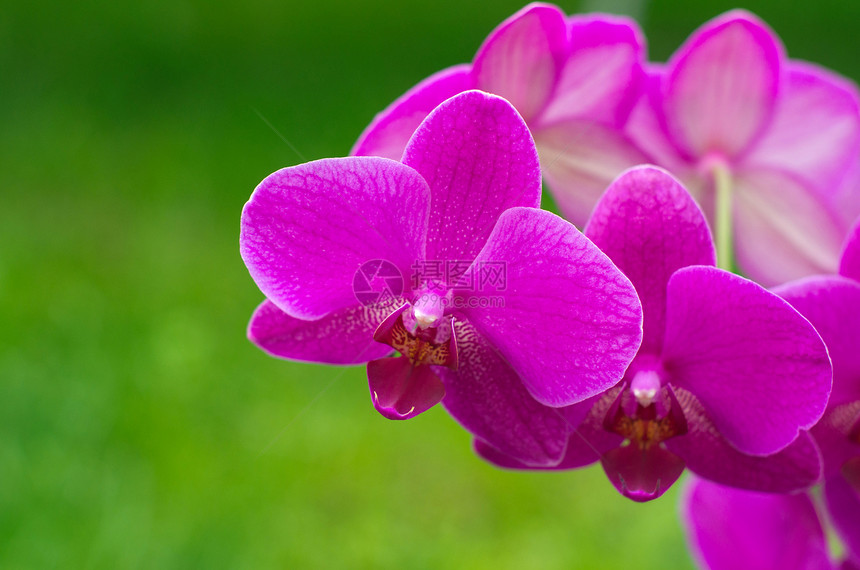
(723, 216)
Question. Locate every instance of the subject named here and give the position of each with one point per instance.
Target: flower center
(646, 413)
(421, 332)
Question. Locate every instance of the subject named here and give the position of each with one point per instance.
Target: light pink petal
(843, 505)
(307, 229)
(603, 75)
(344, 336)
(564, 318)
(649, 226)
(646, 126)
(758, 367)
(478, 157)
(579, 159)
(708, 454)
(782, 229)
(849, 264)
(730, 529)
(722, 85)
(487, 397)
(832, 305)
(521, 59)
(401, 390)
(815, 131)
(391, 129)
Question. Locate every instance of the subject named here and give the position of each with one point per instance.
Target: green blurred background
(138, 427)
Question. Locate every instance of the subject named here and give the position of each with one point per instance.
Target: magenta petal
(308, 229)
(849, 265)
(342, 337)
(487, 397)
(832, 305)
(642, 474)
(602, 74)
(843, 505)
(520, 60)
(564, 317)
(722, 84)
(815, 132)
(479, 159)
(758, 367)
(400, 390)
(649, 226)
(784, 230)
(708, 454)
(391, 129)
(833, 436)
(579, 159)
(730, 529)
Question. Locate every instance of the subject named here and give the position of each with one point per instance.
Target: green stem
(723, 215)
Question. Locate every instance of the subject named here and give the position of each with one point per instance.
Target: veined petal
(487, 397)
(400, 389)
(832, 305)
(815, 131)
(722, 85)
(520, 60)
(391, 129)
(344, 336)
(843, 505)
(649, 226)
(849, 265)
(478, 157)
(602, 75)
(579, 159)
(757, 366)
(708, 454)
(586, 444)
(557, 282)
(783, 229)
(730, 529)
(307, 229)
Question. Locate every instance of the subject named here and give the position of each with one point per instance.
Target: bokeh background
(138, 427)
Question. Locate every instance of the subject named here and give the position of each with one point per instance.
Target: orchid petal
(833, 435)
(722, 84)
(479, 159)
(559, 282)
(342, 337)
(391, 129)
(649, 226)
(758, 367)
(602, 75)
(587, 442)
(400, 389)
(487, 397)
(783, 230)
(520, 60)
(642, 474)
(307, 229)
(843, 505)
(708, 454)
(579, 159)
(849, 265)
(815, 131)
(730, 529)
(832, 305)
